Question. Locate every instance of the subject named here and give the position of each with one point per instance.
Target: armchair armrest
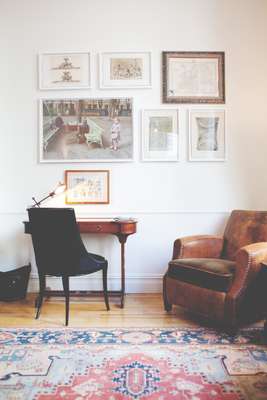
(200, 246)
(248, 265)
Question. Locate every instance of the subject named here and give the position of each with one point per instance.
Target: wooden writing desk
(121, 228)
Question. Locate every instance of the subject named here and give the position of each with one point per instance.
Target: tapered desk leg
(122, 240)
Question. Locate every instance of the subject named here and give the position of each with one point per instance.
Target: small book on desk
(123, 219)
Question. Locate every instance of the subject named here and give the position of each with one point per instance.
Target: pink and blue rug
(118, 364)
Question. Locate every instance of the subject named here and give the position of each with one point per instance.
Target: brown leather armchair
(219, 277)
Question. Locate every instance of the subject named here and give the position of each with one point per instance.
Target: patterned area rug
(116, 364)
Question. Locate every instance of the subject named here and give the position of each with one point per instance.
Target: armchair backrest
(56, 239)
(243, 228)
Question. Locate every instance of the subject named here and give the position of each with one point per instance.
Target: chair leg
(167, 305)
(230, 329)
(105, 287)
(65, 281)
(39, 300)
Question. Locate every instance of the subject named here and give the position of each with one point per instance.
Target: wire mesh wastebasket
(14, 283)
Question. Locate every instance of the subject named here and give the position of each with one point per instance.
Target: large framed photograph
(67, 70)
(160, 135)
(125, 70)
(86, 130)
(207, 135)
(193, 77)
(87, 186)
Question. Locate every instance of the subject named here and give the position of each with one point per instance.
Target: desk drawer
(98, 227)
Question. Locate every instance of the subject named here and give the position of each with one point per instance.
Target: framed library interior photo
(86, 130)
(207, 140)
(193, 77)
(66, 70)
(160, 137)
(87, 186)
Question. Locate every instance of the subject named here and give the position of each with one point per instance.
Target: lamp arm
(37, 203)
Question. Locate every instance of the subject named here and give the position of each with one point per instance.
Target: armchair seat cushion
(210, 273)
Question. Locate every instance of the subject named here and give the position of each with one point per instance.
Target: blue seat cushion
(85, 264)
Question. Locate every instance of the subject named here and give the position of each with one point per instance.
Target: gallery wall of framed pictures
(90, 129)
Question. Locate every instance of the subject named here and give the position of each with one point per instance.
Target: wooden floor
(141, 310)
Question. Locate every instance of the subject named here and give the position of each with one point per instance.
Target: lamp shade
(58, 189)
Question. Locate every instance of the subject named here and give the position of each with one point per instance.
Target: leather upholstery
(210, 273)
(204, 246)
(248, 266)
(215, 276)
(200, 300)
(243, 228)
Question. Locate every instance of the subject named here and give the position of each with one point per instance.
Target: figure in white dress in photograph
(115, 134)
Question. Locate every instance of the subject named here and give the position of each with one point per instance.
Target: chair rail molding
(115, 213)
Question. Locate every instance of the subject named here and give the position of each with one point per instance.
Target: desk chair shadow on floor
(59, 251)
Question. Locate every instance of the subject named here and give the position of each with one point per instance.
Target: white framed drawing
(123, 70)
(66, 70)
(86, 130)
(160, 135)
(207, 141)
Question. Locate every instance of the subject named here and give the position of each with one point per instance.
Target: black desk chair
(59, 251)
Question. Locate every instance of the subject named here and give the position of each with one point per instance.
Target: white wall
(169, 199)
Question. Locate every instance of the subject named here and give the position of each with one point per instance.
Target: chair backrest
(56, 239)
(243, 228)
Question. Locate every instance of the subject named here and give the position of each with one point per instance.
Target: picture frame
(86, 130)
(125, 70)
(87, 186)
(160, 135)
(65, 70)
(193, 77)
(207, 138)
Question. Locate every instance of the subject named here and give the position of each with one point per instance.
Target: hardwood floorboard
(141, 310)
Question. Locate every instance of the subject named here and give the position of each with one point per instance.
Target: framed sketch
(86, 130)
(207, 135)
(68, 70)
(193, 77)
(87, 186)
(125, 70)
(160, 135)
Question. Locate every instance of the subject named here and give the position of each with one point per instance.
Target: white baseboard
(144, 283)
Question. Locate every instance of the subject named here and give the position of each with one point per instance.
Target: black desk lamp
(58, 189)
